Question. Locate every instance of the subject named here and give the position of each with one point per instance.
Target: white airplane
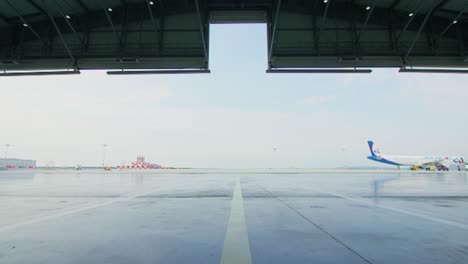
(416, 162)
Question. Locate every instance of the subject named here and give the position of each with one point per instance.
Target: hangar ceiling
(173, 35)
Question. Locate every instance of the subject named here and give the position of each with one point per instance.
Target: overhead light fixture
(151, 2)
(368, 7)
(25, 25)
(325, 1)
(411, 14)
(67, 17)
(109, 9)
(455, 21)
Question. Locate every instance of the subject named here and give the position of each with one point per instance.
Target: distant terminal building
(17, 163)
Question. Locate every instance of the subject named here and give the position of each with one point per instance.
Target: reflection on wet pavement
(309, 217)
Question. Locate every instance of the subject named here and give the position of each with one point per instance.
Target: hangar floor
(233, 217)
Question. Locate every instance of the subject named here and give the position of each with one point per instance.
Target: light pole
(104, 155)
(7, 146)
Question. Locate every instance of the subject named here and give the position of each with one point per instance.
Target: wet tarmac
(233, 217)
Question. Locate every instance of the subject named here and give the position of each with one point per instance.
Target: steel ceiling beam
(24, 21)
(314, 26)
(54, 24)
(109, 19)
(162, 20)
(352, 22)
(202, 31)
(337, 35)
(82, 5)
(395, 4)
(324, 17)
(410, 20)
(75, 33)
(123, 28)
(156, 27)
(451, 23)
(423, 24)
(38, 7)
(364, 26)
(391, 26)
(273, 33)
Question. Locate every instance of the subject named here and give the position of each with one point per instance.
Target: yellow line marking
(236, 242)
(79, 209)
(399, 210)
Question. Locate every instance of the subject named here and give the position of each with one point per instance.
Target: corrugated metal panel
(168, 34)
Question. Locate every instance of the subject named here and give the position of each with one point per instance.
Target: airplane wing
(442, 162)
(432, 163)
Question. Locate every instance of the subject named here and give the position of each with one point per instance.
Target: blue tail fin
(371, 147)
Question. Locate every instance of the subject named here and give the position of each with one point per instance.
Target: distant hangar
(17, 163)
(172, 36)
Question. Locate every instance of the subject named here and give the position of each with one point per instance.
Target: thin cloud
(315, 100)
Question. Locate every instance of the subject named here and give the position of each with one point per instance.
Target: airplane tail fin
(373, 150)
(463, 161)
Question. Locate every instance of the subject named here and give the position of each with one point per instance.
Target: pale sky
(234, 117)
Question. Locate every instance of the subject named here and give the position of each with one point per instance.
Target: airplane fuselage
(416, 160)
(439, 162)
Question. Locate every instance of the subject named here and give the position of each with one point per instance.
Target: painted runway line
(329, 234)
(236, 242)
(399, 210)
(80, 209)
